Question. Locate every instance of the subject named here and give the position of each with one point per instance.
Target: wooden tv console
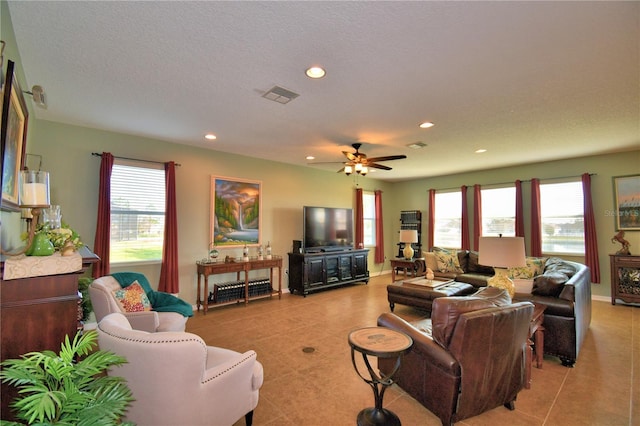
(309, 272)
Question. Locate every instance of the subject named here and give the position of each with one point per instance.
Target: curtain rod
(504, 183)
(97, 154)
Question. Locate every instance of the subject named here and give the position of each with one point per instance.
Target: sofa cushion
(447, 260)
(132, 298)
(550, 283)
(430, 260)
(474, 266)
(555, 264)
(534, 267)
(446, 310)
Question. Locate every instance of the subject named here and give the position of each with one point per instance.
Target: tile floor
(321, 388)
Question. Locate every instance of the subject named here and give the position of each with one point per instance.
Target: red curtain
(432, 218)
(590, 237)
(359, 219)
(379, 255)
(477, 216)
(465, 219)
(519, 210)
(536, 219)
(103, 225)
(169, 277)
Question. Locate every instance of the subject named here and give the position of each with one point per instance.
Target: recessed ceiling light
(210, 136)
(426, 125)
(417, 145)
(310, 157)
(315, 72)
(480, 151)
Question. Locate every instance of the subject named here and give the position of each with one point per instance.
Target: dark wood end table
(417, 266)
(536, 339)
(380, 342)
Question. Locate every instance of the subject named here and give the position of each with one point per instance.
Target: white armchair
(176, 379)
(104, 303)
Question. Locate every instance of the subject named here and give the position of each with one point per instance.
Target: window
(369, 218)
(499, 212)
(562, 221)
(448, 220)
(137, 212)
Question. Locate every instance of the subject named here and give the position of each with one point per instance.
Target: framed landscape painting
(626, 192)
(236, 211)
(13, 136)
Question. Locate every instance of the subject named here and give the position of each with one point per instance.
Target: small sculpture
(619, 237)
(429, 275)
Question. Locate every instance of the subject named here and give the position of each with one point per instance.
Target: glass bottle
(269, 250)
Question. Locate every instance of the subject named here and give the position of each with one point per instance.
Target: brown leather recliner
(468, 358)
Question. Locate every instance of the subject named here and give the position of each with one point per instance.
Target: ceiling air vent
(280, 95)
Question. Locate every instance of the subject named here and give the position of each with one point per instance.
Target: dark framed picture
(13, 137)
(626, 193)
(236, 212)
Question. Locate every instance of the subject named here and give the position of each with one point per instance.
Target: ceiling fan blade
(350, 156)
(378, 166)
(387, 158)
(319, 163)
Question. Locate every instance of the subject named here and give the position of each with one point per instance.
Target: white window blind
(137, 211)
(448, 220)
(499, 212)
(369, 218)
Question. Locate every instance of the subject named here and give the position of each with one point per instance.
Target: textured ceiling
(524, 80)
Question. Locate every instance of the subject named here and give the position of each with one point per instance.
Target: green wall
(66, 152)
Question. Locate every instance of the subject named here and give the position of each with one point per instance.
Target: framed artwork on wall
(13, 137)
(236, 212)
(626, 192)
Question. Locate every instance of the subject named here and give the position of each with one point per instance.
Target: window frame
(512, 197)
(120, 162)
(369, 207)
(441, 194)
(579, 207)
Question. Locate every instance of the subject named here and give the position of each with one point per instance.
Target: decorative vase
(213, 252)
(41, 246)
(245, 253)
(269, 250)
(260, 253)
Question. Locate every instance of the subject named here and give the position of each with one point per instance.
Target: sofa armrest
(144, 321)
(234, 369)
(422, 343)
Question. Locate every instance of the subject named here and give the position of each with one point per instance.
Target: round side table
(380, 342)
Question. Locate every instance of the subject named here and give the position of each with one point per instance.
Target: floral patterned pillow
(535, 267)
(132, 298)
(447, 260)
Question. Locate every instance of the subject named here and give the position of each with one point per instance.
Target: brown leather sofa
(568, 300)
(468, 358)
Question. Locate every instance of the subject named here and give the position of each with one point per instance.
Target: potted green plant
(87, 306)
(69, 388)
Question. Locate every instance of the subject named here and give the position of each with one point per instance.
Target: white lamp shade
(408, 236)
(501, 252)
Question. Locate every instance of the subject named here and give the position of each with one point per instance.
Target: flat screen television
(327, 229)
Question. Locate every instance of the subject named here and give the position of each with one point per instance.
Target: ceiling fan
(358, 161)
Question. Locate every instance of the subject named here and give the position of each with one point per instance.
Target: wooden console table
(237, 266)
(625, 270)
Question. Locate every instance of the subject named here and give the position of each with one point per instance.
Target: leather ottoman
(409, 294)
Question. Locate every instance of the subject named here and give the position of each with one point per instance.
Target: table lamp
(502, 253)
(408, 236)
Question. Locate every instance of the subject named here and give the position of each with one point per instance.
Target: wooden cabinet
(36, 314)
(625, 278)
(316, 271)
